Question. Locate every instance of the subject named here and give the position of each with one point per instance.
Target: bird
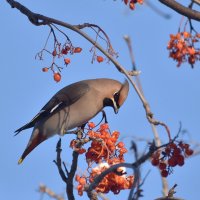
(73, 106)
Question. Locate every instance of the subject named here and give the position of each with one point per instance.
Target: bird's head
(118, 96)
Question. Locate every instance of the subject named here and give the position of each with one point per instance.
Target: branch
(45, 190)
(70, 175)
(188, 12)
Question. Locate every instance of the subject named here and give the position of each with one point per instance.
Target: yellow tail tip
(20, 161)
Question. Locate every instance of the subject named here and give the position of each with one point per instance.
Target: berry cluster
(132, 3)
(105, 151)
(59, 52)
(104, 146)
(182, 48)
(172, 155)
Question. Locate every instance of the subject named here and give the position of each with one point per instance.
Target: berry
(120, 145)
(126, 2)
(82, 181)
(164, 173)
(77, 50)
(81, 150)
(191, 59)
(168, 150)
(155, 162)
(57, 77)
(64, 51)
(189, 152)
(67, 61)
(177, 151)
(54, 53)
(180, 160)
(172, 162)
(45, 69)
(186, 34)
(67, 48)
(132, 5)
(100, 59)
(91, 125)
(77, 177)
(162, 166)
(172, 145)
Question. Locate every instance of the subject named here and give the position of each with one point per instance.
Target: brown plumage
(73, 106)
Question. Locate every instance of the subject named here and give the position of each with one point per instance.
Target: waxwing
(72, 107)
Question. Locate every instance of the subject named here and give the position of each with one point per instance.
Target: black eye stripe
(116, 98)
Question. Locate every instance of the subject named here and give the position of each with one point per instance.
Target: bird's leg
(80, 131)
(104, 116)
(73, 131)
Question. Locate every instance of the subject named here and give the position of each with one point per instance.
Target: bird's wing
(65, 97)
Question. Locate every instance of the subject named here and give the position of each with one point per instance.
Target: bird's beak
(116, 110)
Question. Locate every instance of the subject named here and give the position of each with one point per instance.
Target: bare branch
(70, 175)
(179, 8)
(45, 190)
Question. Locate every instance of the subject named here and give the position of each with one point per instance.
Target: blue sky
(173, 93)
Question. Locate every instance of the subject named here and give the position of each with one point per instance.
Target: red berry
(67, 61)
(191, 59)
(167, 150)
(77, 177)
(104, 126)
(120, 145)
(77, 50)
(172, 162)
(180, 144)
(156, 155)
(57, 77)
(67, 48)
(91, 125)
(126, 2)
(180, 160)
(81, 151)
(186, 146)
(172, 145)
(189, 152)
(64, 51)
(162, 166)
(155, 162)
(100, 59)
(82, 181)
(132, 5)
(45, 69)
(177, 151)
(54, 53)
(164, 173)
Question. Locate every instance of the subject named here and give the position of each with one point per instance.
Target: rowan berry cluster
(172, 155)
(61, 52)
(132, 3)
(104, 151)
(182, 48)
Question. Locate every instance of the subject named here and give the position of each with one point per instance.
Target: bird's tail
(35, 140)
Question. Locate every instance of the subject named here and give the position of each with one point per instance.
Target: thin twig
(45, 190)
(70, 175)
